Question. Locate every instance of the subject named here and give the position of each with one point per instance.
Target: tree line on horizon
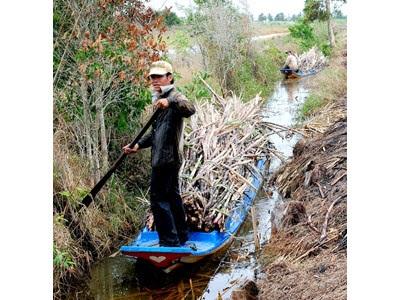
(316, 6)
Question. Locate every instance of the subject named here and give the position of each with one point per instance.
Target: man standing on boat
(166, 142)
(291, 63)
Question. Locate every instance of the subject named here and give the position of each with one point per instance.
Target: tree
(101, 53)
(223, 36)
(321, 10)
(303, 32)
(315, 10)
(172, 19)
(337, 14)
(280, 17)
(270, 18)
(329, 22)
(262, 18)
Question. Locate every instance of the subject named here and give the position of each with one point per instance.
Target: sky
(256, 7)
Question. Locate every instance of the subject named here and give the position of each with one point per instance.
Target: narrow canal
(121, 278)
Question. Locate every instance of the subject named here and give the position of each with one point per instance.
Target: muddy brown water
(123, 278)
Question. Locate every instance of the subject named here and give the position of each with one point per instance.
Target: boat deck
(200, 244)
(204, 242)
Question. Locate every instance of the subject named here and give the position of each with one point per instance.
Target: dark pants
(167, 207)
(288, 70)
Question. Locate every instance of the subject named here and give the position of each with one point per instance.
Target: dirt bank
(306, 255)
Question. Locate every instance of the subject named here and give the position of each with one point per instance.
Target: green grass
(259, 73)
(180, 40)
(196, 89)
(312, 104)
(114, 215)
(320, 31)
(331, 83)
(63, 259)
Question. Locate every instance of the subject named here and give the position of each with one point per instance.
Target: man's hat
(160, 68)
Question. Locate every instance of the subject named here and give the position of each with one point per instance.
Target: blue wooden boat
(200, 244)
(290, 74)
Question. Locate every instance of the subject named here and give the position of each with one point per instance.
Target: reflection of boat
(200, 244)
(290, 74)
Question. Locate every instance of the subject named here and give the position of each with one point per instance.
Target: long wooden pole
(89, 197)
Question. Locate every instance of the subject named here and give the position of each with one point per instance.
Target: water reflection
(291, 87)
(125, 278)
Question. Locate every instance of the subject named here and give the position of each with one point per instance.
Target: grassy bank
(331, 83)
(257, 73)
(111, 220)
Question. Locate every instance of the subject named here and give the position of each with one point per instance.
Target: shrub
(196, 90)
(223, 35)
(310, 106)
(309, 35)
(304, 34)
(326, 49)
(258, 72)
(328, 85)
(63, 259)
(181, 41)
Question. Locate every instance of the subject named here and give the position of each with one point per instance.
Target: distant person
(291, 63)
(166, 155)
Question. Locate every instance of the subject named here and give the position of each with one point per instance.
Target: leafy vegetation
(315, 10)
(328, 85)
(320, 10)
(181, 41)
(309, 107)
(196, 89)
(101, 53)
(309, 35)
(172, 19)
(258, 72)
(303, 32)
(63, 259)
(223, 35)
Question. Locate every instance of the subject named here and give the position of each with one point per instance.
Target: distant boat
(290, 74)
(200, 244)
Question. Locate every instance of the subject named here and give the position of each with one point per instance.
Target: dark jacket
(167, 129)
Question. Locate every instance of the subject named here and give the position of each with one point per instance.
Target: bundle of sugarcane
(313, 59)
(222, 144)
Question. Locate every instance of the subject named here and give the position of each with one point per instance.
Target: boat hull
(200, 244)
(290, 74)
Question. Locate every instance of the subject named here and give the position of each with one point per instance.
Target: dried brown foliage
(223, 141)
(306, 256)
